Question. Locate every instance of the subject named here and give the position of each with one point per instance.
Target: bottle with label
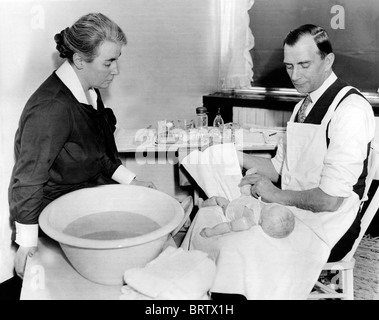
(201, 118)
(218, 122)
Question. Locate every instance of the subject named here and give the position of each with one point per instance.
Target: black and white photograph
(187, 157)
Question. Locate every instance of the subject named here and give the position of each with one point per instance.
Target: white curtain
(9, 71)
(236, 64)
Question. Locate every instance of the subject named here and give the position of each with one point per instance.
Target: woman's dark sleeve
(43, 131)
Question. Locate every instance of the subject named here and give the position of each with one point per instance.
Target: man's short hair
(319, 35)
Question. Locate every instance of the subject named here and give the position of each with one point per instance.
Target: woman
(65, 137)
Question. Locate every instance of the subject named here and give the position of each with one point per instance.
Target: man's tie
(301, 114)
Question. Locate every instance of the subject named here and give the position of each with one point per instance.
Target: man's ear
(78, 61)
(330, 60)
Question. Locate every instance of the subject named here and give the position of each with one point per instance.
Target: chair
(344, 268)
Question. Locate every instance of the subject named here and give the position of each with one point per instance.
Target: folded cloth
(128, 293)
(216, 170)
(175, 274)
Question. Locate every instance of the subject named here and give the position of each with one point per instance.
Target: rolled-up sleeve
(278, 159)
(351, 129)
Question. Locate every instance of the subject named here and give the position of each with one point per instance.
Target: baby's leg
(216, 201)
(218, 229)
(209, 202)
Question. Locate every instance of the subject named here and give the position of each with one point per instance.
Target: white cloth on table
(176, 274)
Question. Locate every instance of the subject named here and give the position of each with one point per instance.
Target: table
(161, 163)
(49, 276)
(135, 141)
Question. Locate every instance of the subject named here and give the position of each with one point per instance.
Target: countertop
(49, 276)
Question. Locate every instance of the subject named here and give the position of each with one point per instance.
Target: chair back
(372, 208)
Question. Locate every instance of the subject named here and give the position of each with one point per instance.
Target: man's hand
(314, 200)
(261, 186)
(20, 260)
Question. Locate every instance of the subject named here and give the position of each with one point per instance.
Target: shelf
(263, 97)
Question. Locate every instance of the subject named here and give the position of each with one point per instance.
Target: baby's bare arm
(241, 224)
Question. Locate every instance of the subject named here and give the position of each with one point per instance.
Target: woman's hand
(147, 184)
(20, 260)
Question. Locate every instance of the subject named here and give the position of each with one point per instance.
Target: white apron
(306, 150)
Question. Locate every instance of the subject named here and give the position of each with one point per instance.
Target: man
(321, 166)
(323, 162)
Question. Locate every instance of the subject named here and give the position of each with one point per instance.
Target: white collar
(315, 95)
(69, 77)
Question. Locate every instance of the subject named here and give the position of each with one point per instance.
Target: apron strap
(349, 92)
(337, 100)
(359, 187)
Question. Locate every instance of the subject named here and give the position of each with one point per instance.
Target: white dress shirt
(352, 127)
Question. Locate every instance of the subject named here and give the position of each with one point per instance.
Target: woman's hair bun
(64, 51)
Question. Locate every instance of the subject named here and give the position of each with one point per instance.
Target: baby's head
(277, 221)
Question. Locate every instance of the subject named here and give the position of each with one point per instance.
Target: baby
(276, 220)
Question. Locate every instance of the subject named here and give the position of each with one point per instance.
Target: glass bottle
(218, 122)
(201, 118)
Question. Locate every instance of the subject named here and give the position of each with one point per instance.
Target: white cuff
(123, 175)
(26, 235)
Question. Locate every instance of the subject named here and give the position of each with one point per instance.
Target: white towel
(175, 274)
(216, 170)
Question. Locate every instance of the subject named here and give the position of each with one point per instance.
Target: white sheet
(258, 266)
(250, 262)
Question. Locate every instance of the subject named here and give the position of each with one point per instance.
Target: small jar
(201, 118)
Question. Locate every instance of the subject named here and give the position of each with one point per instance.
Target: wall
(353, 27)
(171, 60)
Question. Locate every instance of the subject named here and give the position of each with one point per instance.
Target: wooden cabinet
(264, 106)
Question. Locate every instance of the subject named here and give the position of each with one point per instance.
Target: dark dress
(61, 145)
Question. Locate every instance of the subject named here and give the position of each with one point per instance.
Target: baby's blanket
(250, 262)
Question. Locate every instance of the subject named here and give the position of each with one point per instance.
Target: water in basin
(111, 225)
